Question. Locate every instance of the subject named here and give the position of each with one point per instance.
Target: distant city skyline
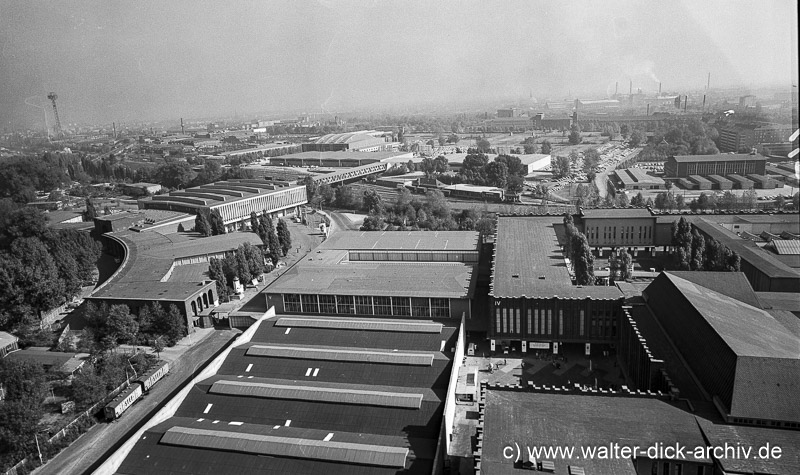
(153, 61)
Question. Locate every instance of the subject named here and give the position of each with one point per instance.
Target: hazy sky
(144, 60)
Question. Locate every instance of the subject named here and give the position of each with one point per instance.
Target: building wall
(722, 167)
(640, 366)
(205, 297)
(368, 306)
(706, 353)
(281, 199)
(619, 232)
(562, 320)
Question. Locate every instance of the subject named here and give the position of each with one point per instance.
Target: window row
(367, 305)
(414, 256)
(550, 322)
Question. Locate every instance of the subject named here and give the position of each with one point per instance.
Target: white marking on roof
(200, 420)
(308, 449)
(444, 343)
(215, 422)
(208, 408)
(328, 437)
(308, 372)
(235, 423)
(288, 330)
(249, 367)
(316, 371)
(277, 427)
(343, 354)
(288, 422)
(318, 394)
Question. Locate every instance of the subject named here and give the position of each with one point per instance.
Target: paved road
(341, 222)
(189, 354)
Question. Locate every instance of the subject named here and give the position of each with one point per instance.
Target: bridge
(351, 173)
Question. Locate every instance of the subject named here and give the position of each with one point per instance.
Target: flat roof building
(682, 166)
(535, 303)
(543, 419)
(354, 142)
(740, 353)
(310, 395)
(636, 179)
(233, 199)
(151, 271)
(340, 159)
(393, 273)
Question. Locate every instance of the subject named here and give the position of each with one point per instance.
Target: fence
(63, 432)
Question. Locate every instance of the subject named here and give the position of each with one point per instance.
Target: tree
(347, 198)
(87, 388)
(749, 198)
(284, 236)
(311, 187)
(325, 195)
(91, 211)
(515, 184)
(158, 345)
(25, 387)
(245, 276)
(427, 166)
(620, 264)
(546, 147)
(373, 202)
(591, 158)
(637, 137)
(513, 164)
(441, 164)
(174, 174)
(452, 138)
(621, 200)
(666, 200)
(625, 130)
(638, 200)
(574, 137)
(780, 202)
(728, 201)
(483, 145)
(216, 223)
(497, 174)
(174, 325)
(254, 258)
(560, 166)
(698, 251)
(679, 202)
(121, 325)
(372, 223)
(201, 224)
(682, 242)
(273, 248)
(30, 268)
(216, 272)
(582, 259)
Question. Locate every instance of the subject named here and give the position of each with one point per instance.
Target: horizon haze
(117, 61)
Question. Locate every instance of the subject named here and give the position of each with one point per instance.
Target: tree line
(411, 213)
(108, 326)
(695, 252)
(577, 249)
(40, 267)
(247, 262)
